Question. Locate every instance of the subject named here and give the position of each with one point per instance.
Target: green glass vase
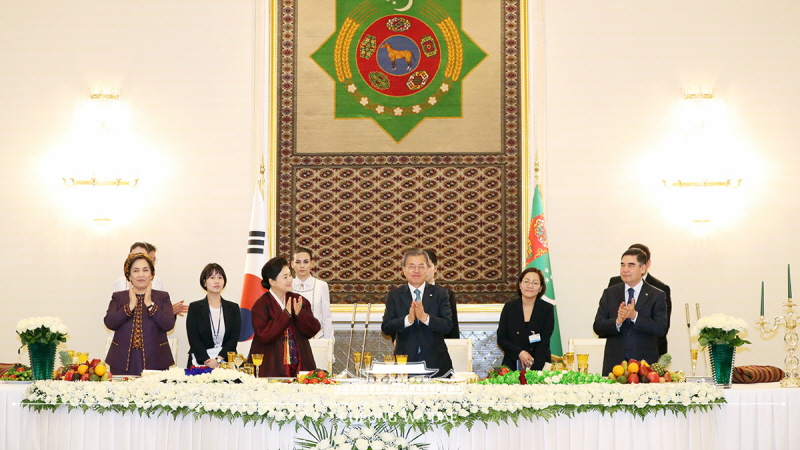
(721, 356)
(43, 358)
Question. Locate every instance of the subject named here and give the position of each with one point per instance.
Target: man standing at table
(418, 314)
(655, 282)
(631, 315)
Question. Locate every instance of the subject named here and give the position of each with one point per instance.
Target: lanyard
(215, 332)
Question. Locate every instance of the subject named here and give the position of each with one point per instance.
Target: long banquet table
(763, 416)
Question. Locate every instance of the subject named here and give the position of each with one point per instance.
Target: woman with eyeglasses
(526, 324)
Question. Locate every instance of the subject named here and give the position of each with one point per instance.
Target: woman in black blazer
(213, 323)
(526, 324)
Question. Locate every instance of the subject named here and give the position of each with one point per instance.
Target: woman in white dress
(314, 290)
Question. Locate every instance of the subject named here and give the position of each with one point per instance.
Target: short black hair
(643, 248)
(432, 257)
(303, 250)
(641, 256)
(272, 269)
(208, 271)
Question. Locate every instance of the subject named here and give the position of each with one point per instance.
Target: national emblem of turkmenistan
(398, 64)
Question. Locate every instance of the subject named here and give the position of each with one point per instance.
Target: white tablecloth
(756, 417)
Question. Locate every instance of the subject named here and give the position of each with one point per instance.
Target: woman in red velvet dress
(283, 323)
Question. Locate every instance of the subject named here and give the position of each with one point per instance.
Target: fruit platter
(634, 372)
(94, 370)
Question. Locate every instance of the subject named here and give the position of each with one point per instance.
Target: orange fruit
(82, 369)
(633, 368)
(617, 370)
(99, 370)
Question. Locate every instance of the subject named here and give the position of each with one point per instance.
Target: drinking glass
(694, 361)
(583, 362)
(231, 357)
(357, 361)
(367, 360)
(72, 356)
(258, 359)
(401, 359)
(238, 360)
(83, 357)
(569, 360)
(249, 368)
(388, 359)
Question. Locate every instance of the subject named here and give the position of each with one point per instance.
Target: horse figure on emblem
(398, 54)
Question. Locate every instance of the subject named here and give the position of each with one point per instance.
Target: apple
(86, 377)
(668, 377)
(633, 378)
(653, 377)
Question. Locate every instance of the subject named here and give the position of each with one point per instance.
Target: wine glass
(583, 362)
(569, 361)
(83, 357)
(694, 361)
(258, 359)
(238, 360)
(357, 362)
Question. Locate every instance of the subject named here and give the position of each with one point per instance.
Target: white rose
(376, 445)
(339, 439)
(362, 444)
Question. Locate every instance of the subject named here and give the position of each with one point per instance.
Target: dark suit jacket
(269, 323)
(198, 330)
(633, 340)
(157, 354)
(655, 282)
(429, 338)
(512, 332)
(454, 333)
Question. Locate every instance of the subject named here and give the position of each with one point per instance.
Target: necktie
(418, 297)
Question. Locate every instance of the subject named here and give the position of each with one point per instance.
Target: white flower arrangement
(719, 329)
(256, 400)
(356, 437)
(42, 330)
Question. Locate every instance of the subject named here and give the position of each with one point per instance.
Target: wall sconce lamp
(95, 182)
(699, 93)
(704, 183)
(101, 141)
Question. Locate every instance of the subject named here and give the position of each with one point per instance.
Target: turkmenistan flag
(537, 255)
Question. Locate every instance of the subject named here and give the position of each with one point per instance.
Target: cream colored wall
(186, 73)
(614, 75)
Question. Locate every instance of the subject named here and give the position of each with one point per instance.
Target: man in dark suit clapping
(655, 282)
(631, 315)
(418, 314)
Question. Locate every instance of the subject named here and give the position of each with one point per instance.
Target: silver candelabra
(792, 377)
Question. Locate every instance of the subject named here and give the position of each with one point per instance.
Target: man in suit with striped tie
(418, 314)
(632, 315)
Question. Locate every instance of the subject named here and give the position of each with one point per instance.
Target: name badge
(535, 337)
